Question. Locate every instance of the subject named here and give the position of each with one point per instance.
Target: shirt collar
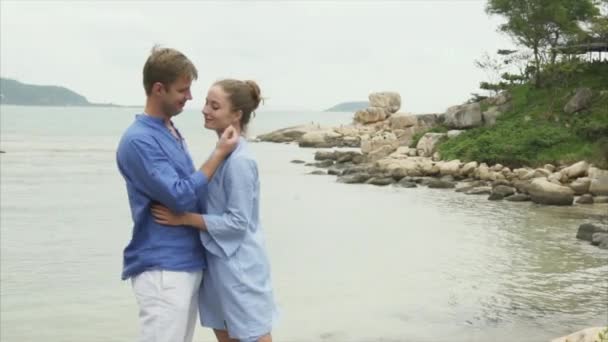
(150, 120)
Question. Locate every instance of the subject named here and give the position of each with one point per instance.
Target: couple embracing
(197, 245)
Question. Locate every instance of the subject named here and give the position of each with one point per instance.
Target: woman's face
(218, 111)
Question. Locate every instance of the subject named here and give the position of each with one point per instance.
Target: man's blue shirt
(158, 168)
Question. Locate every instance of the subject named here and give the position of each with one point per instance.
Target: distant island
(13, 92)
(348, 106)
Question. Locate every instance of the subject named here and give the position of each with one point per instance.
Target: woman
(236, 297)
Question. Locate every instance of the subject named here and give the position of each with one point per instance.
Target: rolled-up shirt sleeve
(227, 230)
(153, 174)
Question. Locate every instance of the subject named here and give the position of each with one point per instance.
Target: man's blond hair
(166, 65)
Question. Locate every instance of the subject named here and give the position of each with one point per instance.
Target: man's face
(175, 96)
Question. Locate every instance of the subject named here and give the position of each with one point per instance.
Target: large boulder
(580, 186)
(427, 145)
(449, 168)
(371, 115)
(599, 182)
(576, 170)
(389, 100)
(402, 121)
(490, 116)
(544, 192)
(464, 116)
(581, 100)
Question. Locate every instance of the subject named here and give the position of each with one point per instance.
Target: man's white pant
(168, 304)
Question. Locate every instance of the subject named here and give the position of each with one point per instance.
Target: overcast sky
(305, 55)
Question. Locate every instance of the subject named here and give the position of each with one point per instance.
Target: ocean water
(349, 262)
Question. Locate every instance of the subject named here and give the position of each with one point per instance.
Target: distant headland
(348, 106)
(13, 92)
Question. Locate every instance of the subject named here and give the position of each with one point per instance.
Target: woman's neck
(221, 131)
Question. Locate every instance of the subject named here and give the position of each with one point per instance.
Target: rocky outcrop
(289, 134)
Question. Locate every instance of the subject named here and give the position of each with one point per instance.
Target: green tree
(542, 25)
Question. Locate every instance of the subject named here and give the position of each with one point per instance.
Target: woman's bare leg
(222, 336)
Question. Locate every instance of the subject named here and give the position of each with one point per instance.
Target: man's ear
(158, 88)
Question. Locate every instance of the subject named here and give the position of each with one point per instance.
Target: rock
(297, 161)
(323, 163)
(406, 183)
(320, 139)
(325, 155)
(468, 169)
(580, 186)
(362, 168)
(380, 152)
(440, 184)
(371, 115)
(503, 190)
(489, 116)
(402, 121)
(318, 172)
(586, 231)
(381, 181)
(451, 168)
(391, 101)
(354, 178)
(427, 145)
(585, 199)
(599, 181)
(598, 238)
(334, 171)
(464, 116)
(426, 121)
(576, 170)
(348, 156)
(497, 168)
(549, 167)
(518, 198)
(544, 192)
(454, 133)
(600, 199)
(482, 190)
(585, 335)
(289, 134)
(495, 197)
(379, 140)
(581, 100)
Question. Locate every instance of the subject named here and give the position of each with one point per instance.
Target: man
(165, 264)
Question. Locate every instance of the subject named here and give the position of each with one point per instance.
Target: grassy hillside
(536, 130)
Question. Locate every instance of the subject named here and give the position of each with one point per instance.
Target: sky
(305, 55)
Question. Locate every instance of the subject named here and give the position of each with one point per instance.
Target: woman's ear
(238, 115)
